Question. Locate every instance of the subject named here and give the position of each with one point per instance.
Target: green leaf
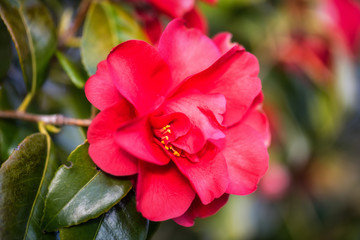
(81, 192)
(11, 133)
(106, 26)
(24, 180)
(33, 32)
(5, 50)
(75, 74)
(121, 222)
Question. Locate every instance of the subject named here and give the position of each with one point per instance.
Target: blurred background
(309, 55)
(310, 69)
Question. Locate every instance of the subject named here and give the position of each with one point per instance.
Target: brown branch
(80, 16)
(54, 119)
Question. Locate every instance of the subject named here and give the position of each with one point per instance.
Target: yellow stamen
(166, 138)
(167, 126)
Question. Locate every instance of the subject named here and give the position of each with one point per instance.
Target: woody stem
(54, 119)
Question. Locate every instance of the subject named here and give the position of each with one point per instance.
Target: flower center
(165, 136)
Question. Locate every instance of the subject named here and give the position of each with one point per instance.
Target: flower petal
(174, 8)
(235, 76)
(140, 74)
(199, 210)
(223, 42)
(258, 120)
(192, 142)
(247, 159)
(137, 138)
(208, 176)
(117, 162)
(100, 89)
(195, 19)
(205, 114)
(162, 192)
(152, 24)
(186, 51)
(101, 138)
(179, 125)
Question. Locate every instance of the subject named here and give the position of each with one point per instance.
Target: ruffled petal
(100, 135)
(174, 8)
(186, 51)
(117, 162)
(152, 24)
(235, 76)
(137, 138)
(192, 142)
(208, 176)
(199, 210)
(258, 120)
(100, 89)
(179, 125)
(247, 159)
(162, 192)
(195, 19)
(205, 114)
(140, 74)
(223, 42)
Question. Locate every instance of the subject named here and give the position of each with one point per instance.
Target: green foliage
(106, 26)
(80, 192)
(24, 180)
(33, 32)
(38, 196)
(76, 75)
(121, 222)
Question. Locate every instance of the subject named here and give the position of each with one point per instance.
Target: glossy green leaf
(75, 74)
(11, 134)
(24, 180)
(81, 192)
(121, 222)
(106, 26)
(33, 32)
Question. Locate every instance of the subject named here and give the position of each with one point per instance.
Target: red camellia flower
(183, 118)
